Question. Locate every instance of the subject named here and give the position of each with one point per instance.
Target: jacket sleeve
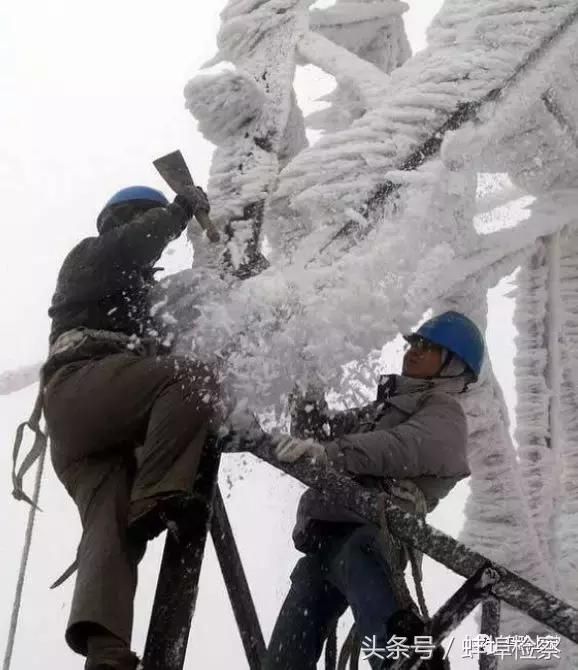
(431, 442)
(349, 420)
(310, 417)
(144, 239)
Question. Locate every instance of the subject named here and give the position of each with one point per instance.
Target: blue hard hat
(138, 193)
(456, 333)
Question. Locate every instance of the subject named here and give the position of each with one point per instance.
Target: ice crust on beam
(288, 316)
(565, 528)
(223, 104)
(263, 126)
(355, 41)
(499, 523)
(540, 150)
(337, 310)
(474, 48)
(461, 559)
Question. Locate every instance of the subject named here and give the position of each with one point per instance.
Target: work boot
(407, 624)
(108, 652)
(127, 661)
(149, 517)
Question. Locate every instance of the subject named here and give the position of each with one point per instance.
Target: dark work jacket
(105, 281)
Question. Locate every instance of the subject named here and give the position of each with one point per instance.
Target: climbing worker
(127, 420)
(410, 442)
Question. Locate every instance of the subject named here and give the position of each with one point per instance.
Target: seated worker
(413, 436)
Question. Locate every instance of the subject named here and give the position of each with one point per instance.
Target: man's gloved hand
(308, 410)
(193, 200)
(290, 449)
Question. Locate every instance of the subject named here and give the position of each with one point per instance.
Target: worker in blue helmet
(459, 338)
(410, 442)
(112, 386)
(122, 207)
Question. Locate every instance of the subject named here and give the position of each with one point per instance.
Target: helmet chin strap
(447, 358)
(451, 365)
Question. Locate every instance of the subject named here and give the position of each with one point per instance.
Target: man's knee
(363, 551)
(197, 382)
(365, 540)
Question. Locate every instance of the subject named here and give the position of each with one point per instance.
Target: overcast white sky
(91, 94)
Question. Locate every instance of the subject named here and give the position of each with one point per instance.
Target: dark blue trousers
(347, 570)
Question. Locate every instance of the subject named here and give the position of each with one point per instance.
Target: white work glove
(290, 449)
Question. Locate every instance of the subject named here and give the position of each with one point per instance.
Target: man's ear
(119, 215)
(106, 221)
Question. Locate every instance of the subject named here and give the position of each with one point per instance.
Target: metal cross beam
(178, 583)
(339, 489)
(453, 612)
(463, 112)
(490, 627)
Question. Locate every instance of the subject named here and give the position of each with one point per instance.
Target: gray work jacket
(420, 437)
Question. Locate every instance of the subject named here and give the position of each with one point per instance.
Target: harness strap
(405, 490)
(38, 447)
(416, 571)
(67, 341)
(77, 337)
(70, 570)
(388, 545)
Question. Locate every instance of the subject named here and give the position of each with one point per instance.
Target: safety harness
(39, 445)
(410, 492)
(70, 346)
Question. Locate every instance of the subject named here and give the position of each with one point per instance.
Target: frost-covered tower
(389, 215)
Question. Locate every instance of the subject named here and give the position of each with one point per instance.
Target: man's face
(423, 359)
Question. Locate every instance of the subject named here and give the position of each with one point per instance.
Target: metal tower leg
(177, 587)
(236, 583)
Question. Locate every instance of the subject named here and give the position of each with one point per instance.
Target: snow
(357, 42)
(322, 314)
(444, 241)
(209, 100)
(260, 39)
(461, 64)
